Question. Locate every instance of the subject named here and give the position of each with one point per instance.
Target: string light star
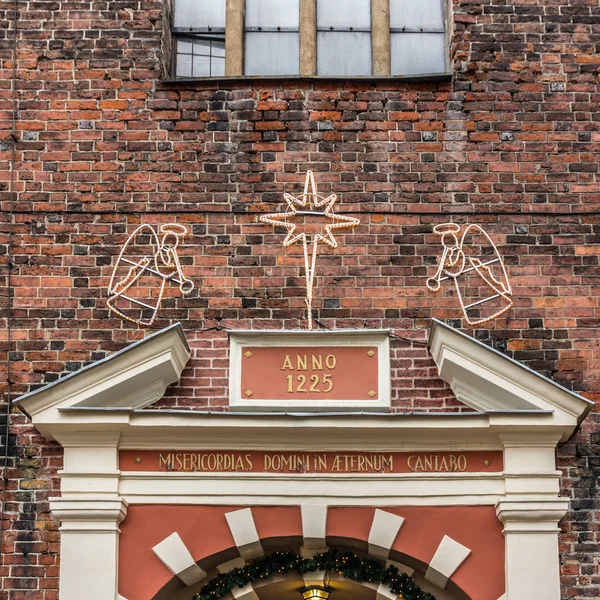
(296, 219)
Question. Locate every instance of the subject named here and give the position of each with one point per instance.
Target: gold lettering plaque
(256, 461)
(345, 370)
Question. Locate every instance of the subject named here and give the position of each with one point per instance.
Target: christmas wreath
(346, 564)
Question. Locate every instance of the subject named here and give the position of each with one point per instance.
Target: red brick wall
(511, 143)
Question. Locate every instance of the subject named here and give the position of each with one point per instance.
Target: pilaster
(531, 550)
(89, 546)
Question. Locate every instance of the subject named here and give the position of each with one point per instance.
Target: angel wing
(482, 287)
(136, 287)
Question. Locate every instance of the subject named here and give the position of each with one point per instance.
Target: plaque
(309, 370)
(270, 461)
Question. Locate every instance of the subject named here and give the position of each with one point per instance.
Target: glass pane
(418, 53)
(416, 15)
(346, 13)
(217, 67)
(184, 65)
(199, 13)
(218, 48)
(273, 13)
(202, 47)
(201, 66)
(343, 53)
(272, 53)
(184, 46)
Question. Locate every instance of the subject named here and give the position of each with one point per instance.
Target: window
(272, 40)
(343, 37)
(326, 38)
(417, 37)
(199, 38)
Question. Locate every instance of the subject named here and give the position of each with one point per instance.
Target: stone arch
(207, 540)
(342, 588)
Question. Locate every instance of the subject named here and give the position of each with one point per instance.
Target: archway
(288, 586)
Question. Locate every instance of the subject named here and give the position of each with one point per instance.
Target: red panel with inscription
(255, 461)
(304, 373)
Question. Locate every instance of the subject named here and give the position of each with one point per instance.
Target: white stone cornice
(131, 378)
(89, 514)
(531, 514)
(488, 381)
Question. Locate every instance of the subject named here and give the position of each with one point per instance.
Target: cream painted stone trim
(315, 578)
(236, 563)
(95, 493)
(132, 378)
(245, 535)
(308, 38)
(235, 15)
(531, 528)
(245, 593)
(446, 560)
(175, 555)
(294, 489)
(314, 526)
(380, 38)
(384, 593)
(488, 381)
(119, 597)
(89, 546)
(384, 529)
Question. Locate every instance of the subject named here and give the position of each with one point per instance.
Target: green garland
(348, 565)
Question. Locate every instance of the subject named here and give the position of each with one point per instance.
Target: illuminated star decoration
(295, 222)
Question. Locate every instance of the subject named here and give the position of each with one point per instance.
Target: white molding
(236, 563)
(89, 546)
(488, 381)
(446, 560)
(315, 578)
(132, 378)
(92, 513)
(298, 489)
(314, 527)
(245, 535)
(245, 593)
(531, 528)
(378, 338)
(174, 554)
(384, 593)
(384, 529)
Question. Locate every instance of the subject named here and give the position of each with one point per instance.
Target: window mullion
(380, 37)
(308, 37)
(234, 37)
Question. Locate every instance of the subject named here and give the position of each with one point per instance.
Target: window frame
(235, 32)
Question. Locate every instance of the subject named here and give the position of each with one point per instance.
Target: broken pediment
(489, 382)
(131, 378)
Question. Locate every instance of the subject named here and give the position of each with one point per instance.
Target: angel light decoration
(310, 220)
(144, 266)
(461, 263)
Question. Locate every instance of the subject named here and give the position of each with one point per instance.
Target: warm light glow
(315, 593)
(160, 258)
(310, 205)
(455, 262)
